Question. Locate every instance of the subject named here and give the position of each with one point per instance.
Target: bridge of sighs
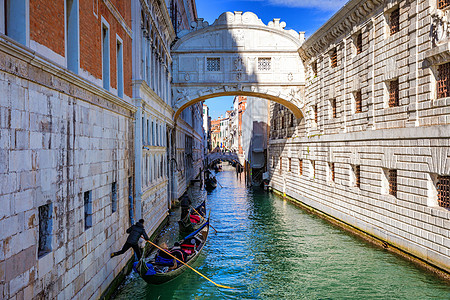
(238, 55)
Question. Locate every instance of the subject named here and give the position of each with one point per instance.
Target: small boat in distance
(211, 183)
(192, 245)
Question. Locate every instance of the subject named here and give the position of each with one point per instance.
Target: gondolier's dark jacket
(135, 232)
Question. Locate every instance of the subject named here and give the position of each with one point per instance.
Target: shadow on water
(268, 248)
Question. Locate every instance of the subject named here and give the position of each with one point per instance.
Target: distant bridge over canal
(213, 157)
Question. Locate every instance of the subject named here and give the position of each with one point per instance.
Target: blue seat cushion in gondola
(164, 261)
(150, 271)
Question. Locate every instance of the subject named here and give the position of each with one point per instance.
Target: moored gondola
(191, 245)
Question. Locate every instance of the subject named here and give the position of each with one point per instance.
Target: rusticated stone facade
(374, 148)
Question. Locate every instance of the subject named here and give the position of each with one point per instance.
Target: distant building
(215, 134)
(206, 128)
(255, 136)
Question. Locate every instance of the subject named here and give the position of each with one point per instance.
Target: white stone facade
(153, 34)
(351, 129)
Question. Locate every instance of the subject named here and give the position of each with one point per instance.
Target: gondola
(193, 243)
(210, 183)
(191, 221)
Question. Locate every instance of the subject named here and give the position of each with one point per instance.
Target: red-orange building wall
(47, 27)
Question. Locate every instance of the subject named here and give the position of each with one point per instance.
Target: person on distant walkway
(135, 232)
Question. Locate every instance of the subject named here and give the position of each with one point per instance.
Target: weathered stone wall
(59, 138)
(411, 137)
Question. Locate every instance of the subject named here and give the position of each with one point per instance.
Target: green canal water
(267, 248)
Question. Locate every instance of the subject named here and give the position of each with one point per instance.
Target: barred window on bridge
(213, 64)
(443, 190)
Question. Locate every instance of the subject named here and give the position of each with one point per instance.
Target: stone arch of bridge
(215, 157)
(238, 55)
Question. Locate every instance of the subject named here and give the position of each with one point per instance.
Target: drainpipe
(138, 159)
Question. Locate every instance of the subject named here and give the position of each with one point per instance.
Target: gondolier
(135, 233)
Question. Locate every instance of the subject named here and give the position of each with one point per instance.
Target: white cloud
(326, 5)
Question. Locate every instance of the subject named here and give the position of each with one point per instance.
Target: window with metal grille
(114, 194)
(393, 182)
(316, 117)
(358, 43)
(443, 190)
(282, 122)
(264, 63)
(394, 21)
(213, 64)
(300, 167)
(332, 174)
(45, 229)
(358, 102)
(334, 108)
(393, 93)
(443, 4)
(358, 176)
(314, 68)
(87, 210)
(443, 82)
(333, 58)
(289, 160)
(291, 122)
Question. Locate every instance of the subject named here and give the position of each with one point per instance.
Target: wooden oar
(216, 284)
(218, 181)
(203, 218)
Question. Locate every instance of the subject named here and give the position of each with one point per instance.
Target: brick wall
(91, 46)
(47, 24)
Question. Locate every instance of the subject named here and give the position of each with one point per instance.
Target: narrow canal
(267, 248)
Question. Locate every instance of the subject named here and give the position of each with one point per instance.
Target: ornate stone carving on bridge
(253, 59)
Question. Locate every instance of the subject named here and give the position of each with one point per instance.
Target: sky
(300, 15)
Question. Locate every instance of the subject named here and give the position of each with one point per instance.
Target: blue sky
(300, 15)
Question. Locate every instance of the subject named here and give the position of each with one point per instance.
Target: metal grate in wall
(358, 102)
(359, 43)
(332, 171)
(443, 190)
(300, 166)
(316, 117)
(264, 63)
(358, 176)
(393, 182)
(443, 82)
(213, 64)
(334, 59)
(394, 21)
(443, 4)
(393, 93)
